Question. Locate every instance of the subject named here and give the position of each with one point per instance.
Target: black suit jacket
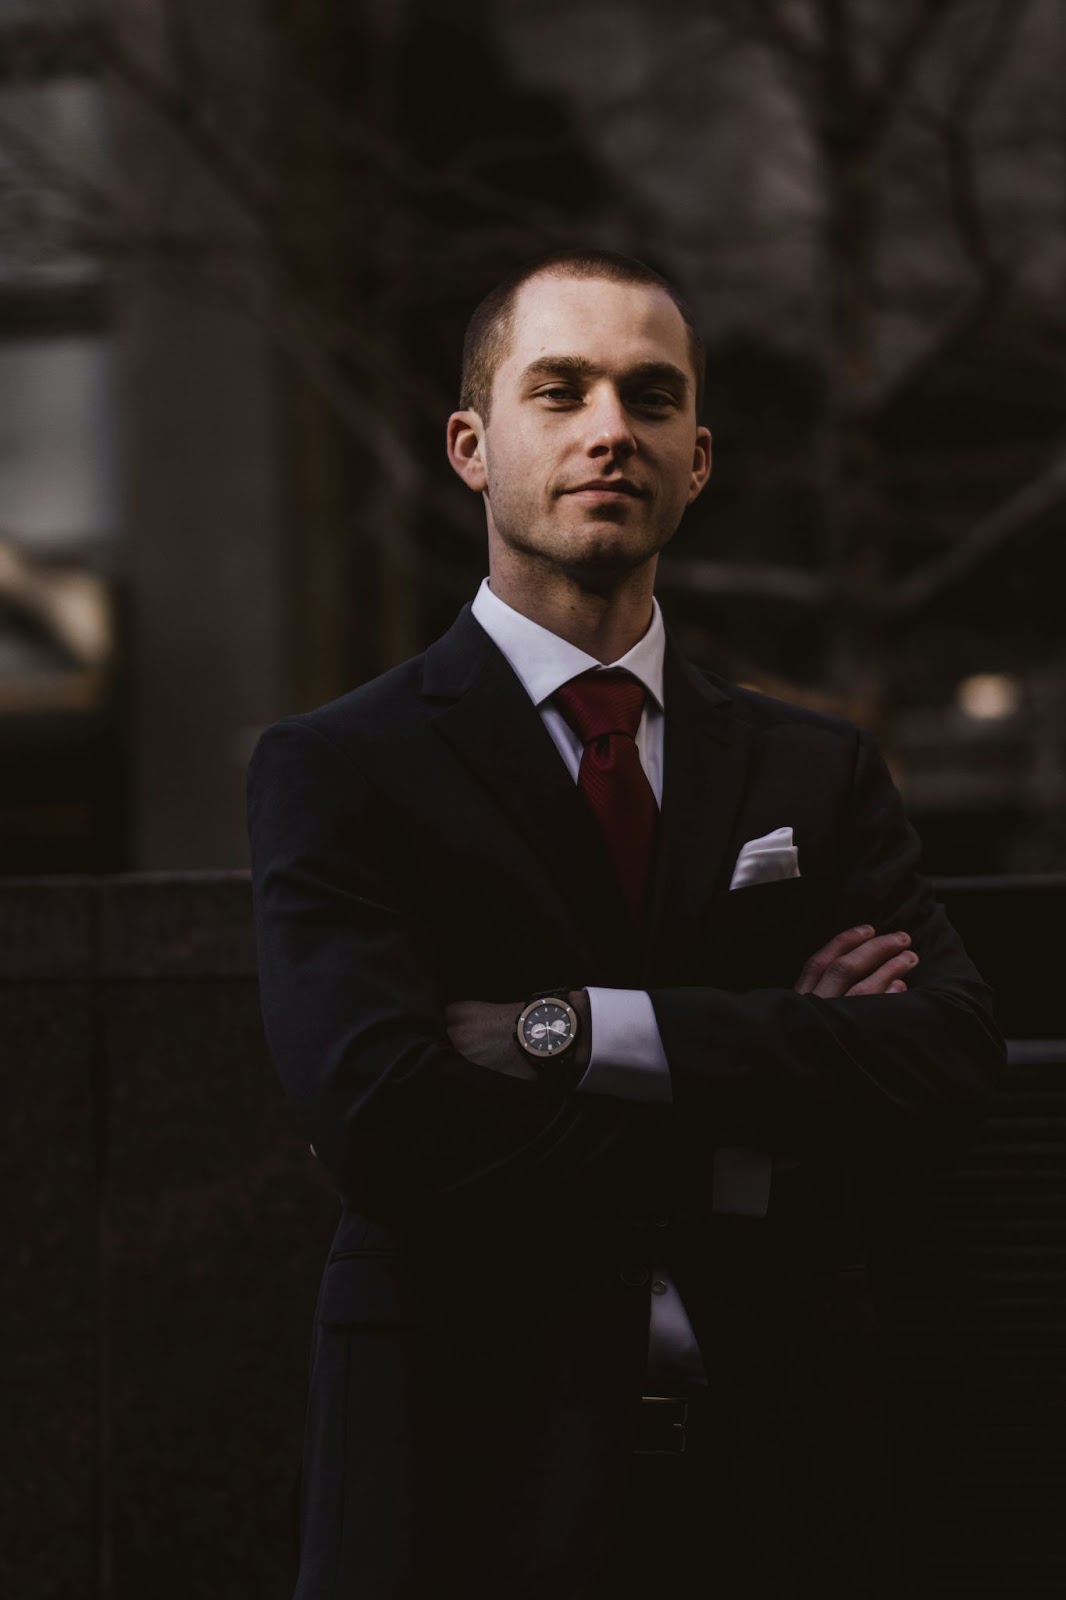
(482, 1325)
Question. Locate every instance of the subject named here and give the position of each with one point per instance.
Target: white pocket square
(767, 859)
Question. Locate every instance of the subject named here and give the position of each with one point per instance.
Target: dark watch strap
(560, 1072)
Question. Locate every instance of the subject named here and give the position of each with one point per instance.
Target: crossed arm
(395, 1096)
(857, 962)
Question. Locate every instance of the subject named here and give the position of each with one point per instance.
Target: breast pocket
(760, 936)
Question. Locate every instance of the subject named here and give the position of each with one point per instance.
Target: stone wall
(168, 1225)
(171, 1227)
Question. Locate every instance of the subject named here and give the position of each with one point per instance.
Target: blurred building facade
(235, 263)
(59, 735)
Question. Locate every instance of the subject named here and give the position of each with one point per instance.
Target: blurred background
(238, 246)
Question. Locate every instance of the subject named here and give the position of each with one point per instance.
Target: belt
(669, 1424)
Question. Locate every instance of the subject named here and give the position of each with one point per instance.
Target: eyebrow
(581, 367)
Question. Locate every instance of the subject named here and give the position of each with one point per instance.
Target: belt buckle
(665, 1417)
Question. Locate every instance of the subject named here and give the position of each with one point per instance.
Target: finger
(855, 965)
(896, 988)
(815, 968)
(845, 960)
(892, 971)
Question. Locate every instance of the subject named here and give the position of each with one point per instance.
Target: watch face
(547, 1028)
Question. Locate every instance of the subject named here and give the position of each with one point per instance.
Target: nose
(608, 430)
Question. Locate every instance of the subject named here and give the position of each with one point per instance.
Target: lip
(613, 489)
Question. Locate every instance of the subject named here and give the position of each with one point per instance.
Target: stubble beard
(597, 567)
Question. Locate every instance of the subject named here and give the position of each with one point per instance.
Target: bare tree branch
(233, 167)
(838, 46)
(1014, 516)
(762, 22)
(987, 60)
(393, 163)
(718, 655)
(295, 332)
(337, 358)
(902, 63)
(201, 130)
(800, 588)
(767, 22)
(181, 39)
(955, 127)
(401, 468)
(966, 209)
(753, 580)
(34, 50)
(953, 336)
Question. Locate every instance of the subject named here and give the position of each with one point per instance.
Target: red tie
(604, 707)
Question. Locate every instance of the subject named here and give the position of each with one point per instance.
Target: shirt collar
(544, 662)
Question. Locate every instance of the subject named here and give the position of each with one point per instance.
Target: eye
(558, 392)
(656, 399)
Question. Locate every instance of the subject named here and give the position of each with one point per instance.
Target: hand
(856, 962)
(483, 1032)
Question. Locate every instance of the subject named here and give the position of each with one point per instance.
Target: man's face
(592, 451)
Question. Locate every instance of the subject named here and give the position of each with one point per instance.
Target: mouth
(608, 489)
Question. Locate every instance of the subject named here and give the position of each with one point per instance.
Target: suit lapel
(479, 706)
(705, 765)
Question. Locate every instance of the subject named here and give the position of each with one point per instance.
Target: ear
(466, 435)
(701, 463)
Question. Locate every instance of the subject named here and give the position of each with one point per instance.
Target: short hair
(490, 329)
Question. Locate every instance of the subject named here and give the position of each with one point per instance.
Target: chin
(615, 541)
(602, 567)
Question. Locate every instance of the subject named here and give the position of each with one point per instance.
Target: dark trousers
(688, 1531)
(683, 1530)
(405, 1495)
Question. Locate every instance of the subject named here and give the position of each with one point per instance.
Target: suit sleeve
(628, 1061)
(404, 1124)
(878, 1075)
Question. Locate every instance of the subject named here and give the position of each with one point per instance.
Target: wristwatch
(547, 1030)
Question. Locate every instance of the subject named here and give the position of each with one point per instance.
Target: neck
(604, 625)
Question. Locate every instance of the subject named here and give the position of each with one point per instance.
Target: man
(587, 1227)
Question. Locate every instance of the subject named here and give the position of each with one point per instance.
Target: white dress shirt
(627, 1058)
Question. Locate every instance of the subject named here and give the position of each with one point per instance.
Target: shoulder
(378, 708)
(384, 709)
(765, 714)
(385, 705)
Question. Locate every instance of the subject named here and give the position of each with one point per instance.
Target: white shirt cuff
(628, 1060)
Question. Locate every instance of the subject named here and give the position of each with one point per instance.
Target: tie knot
(601, 701)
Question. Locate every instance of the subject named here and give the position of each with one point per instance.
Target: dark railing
(167, 1227)
(973, 1272)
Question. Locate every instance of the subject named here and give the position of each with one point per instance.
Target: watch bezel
(542, 1057)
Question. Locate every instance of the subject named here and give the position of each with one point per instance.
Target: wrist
(579, 999)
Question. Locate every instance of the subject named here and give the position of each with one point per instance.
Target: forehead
(612, 324)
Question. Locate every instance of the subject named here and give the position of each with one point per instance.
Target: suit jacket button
(634, 1273)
